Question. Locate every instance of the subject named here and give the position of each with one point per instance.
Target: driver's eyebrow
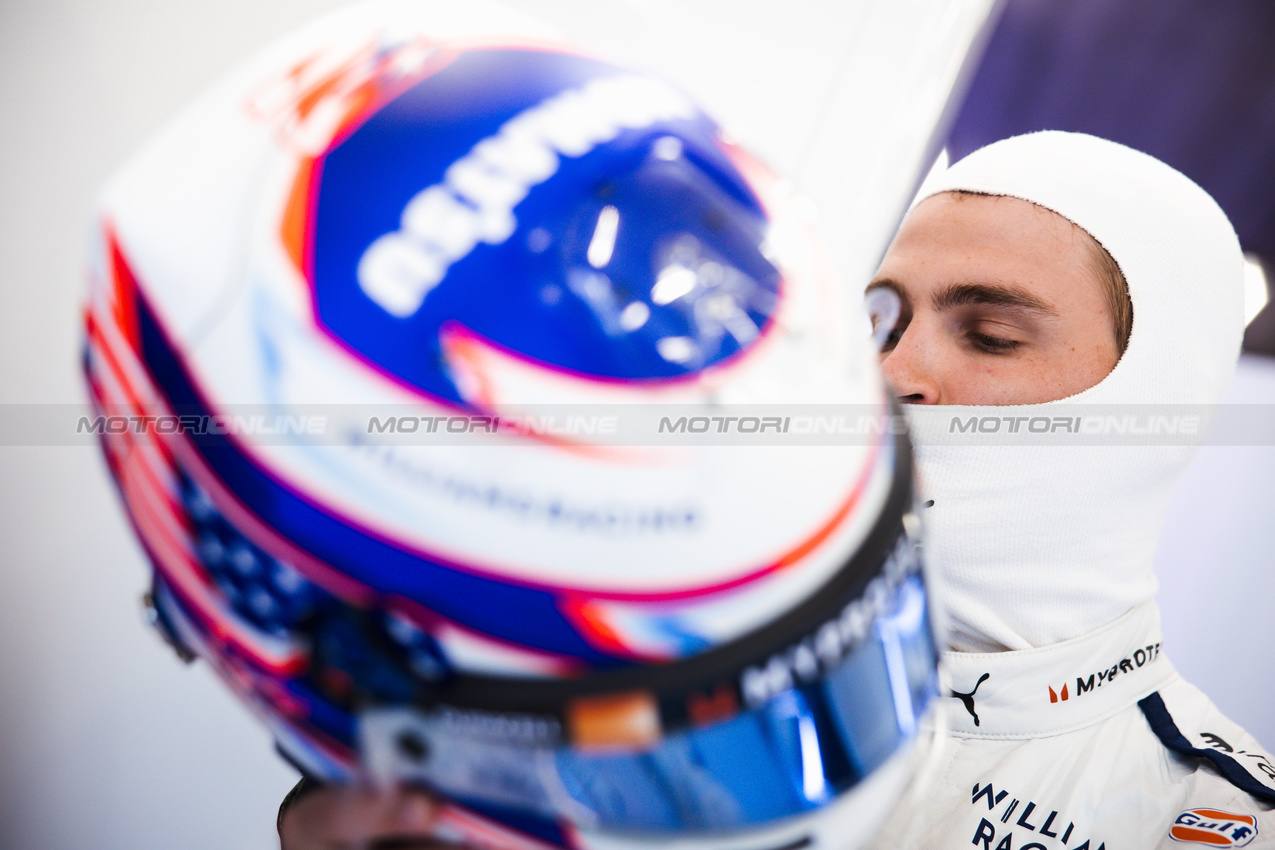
(991, 294)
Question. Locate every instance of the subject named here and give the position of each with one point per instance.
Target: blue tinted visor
(795, 750)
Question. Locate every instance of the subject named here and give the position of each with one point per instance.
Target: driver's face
(1002, 303)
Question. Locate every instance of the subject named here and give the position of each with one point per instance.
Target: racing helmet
(455, 382)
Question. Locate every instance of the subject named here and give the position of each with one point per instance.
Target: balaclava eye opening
(1043, 537)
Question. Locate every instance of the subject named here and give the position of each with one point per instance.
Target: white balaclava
(1041, 543)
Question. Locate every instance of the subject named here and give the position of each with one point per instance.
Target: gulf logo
(1214, 827)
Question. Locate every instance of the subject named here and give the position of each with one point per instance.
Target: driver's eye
(891, 339)
(884, 308)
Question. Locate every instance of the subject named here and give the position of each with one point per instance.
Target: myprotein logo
(1084, 684)
(1214, 827)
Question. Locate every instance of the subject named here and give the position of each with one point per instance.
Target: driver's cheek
(1009, 379)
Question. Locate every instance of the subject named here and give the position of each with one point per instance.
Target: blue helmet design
(623, 245)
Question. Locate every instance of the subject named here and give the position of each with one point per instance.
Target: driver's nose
(909, 369)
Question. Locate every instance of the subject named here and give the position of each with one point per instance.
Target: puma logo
(968, 699)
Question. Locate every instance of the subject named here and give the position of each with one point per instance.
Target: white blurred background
(106, 740)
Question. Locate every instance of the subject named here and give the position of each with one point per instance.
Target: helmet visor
(794, 751)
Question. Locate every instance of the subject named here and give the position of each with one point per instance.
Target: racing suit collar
(1036, 693)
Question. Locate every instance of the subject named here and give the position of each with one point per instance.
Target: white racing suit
(1071, 730)
(1092, 743)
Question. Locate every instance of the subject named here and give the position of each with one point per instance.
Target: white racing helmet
(448, 378)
